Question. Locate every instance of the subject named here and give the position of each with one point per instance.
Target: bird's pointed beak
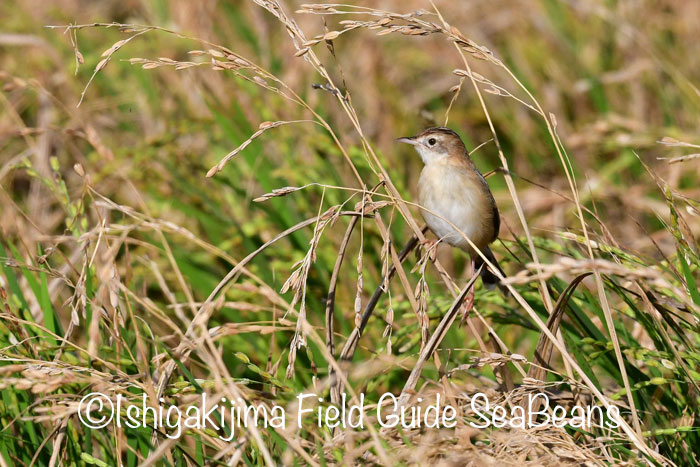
(409, 140)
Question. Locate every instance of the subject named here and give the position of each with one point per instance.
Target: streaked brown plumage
(453, 193)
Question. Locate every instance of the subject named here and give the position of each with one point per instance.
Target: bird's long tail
(490, 279)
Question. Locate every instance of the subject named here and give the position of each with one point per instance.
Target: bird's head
(436, 143)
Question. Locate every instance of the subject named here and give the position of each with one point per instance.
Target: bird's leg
(469, 299)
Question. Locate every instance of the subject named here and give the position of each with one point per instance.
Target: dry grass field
(203, 204)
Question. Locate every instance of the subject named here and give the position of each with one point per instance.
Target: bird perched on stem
(456, 199)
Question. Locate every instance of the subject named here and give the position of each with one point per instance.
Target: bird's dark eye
(431, 142)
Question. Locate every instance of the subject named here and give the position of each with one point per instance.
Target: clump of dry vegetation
(206, 198)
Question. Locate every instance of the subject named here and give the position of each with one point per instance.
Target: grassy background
(104, 264)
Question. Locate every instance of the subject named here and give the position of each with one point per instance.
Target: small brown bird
(452, 191)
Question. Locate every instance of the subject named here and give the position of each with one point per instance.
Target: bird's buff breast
(451, 193)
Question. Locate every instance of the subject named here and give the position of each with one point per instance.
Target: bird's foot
(430, 248)
(467, 306)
